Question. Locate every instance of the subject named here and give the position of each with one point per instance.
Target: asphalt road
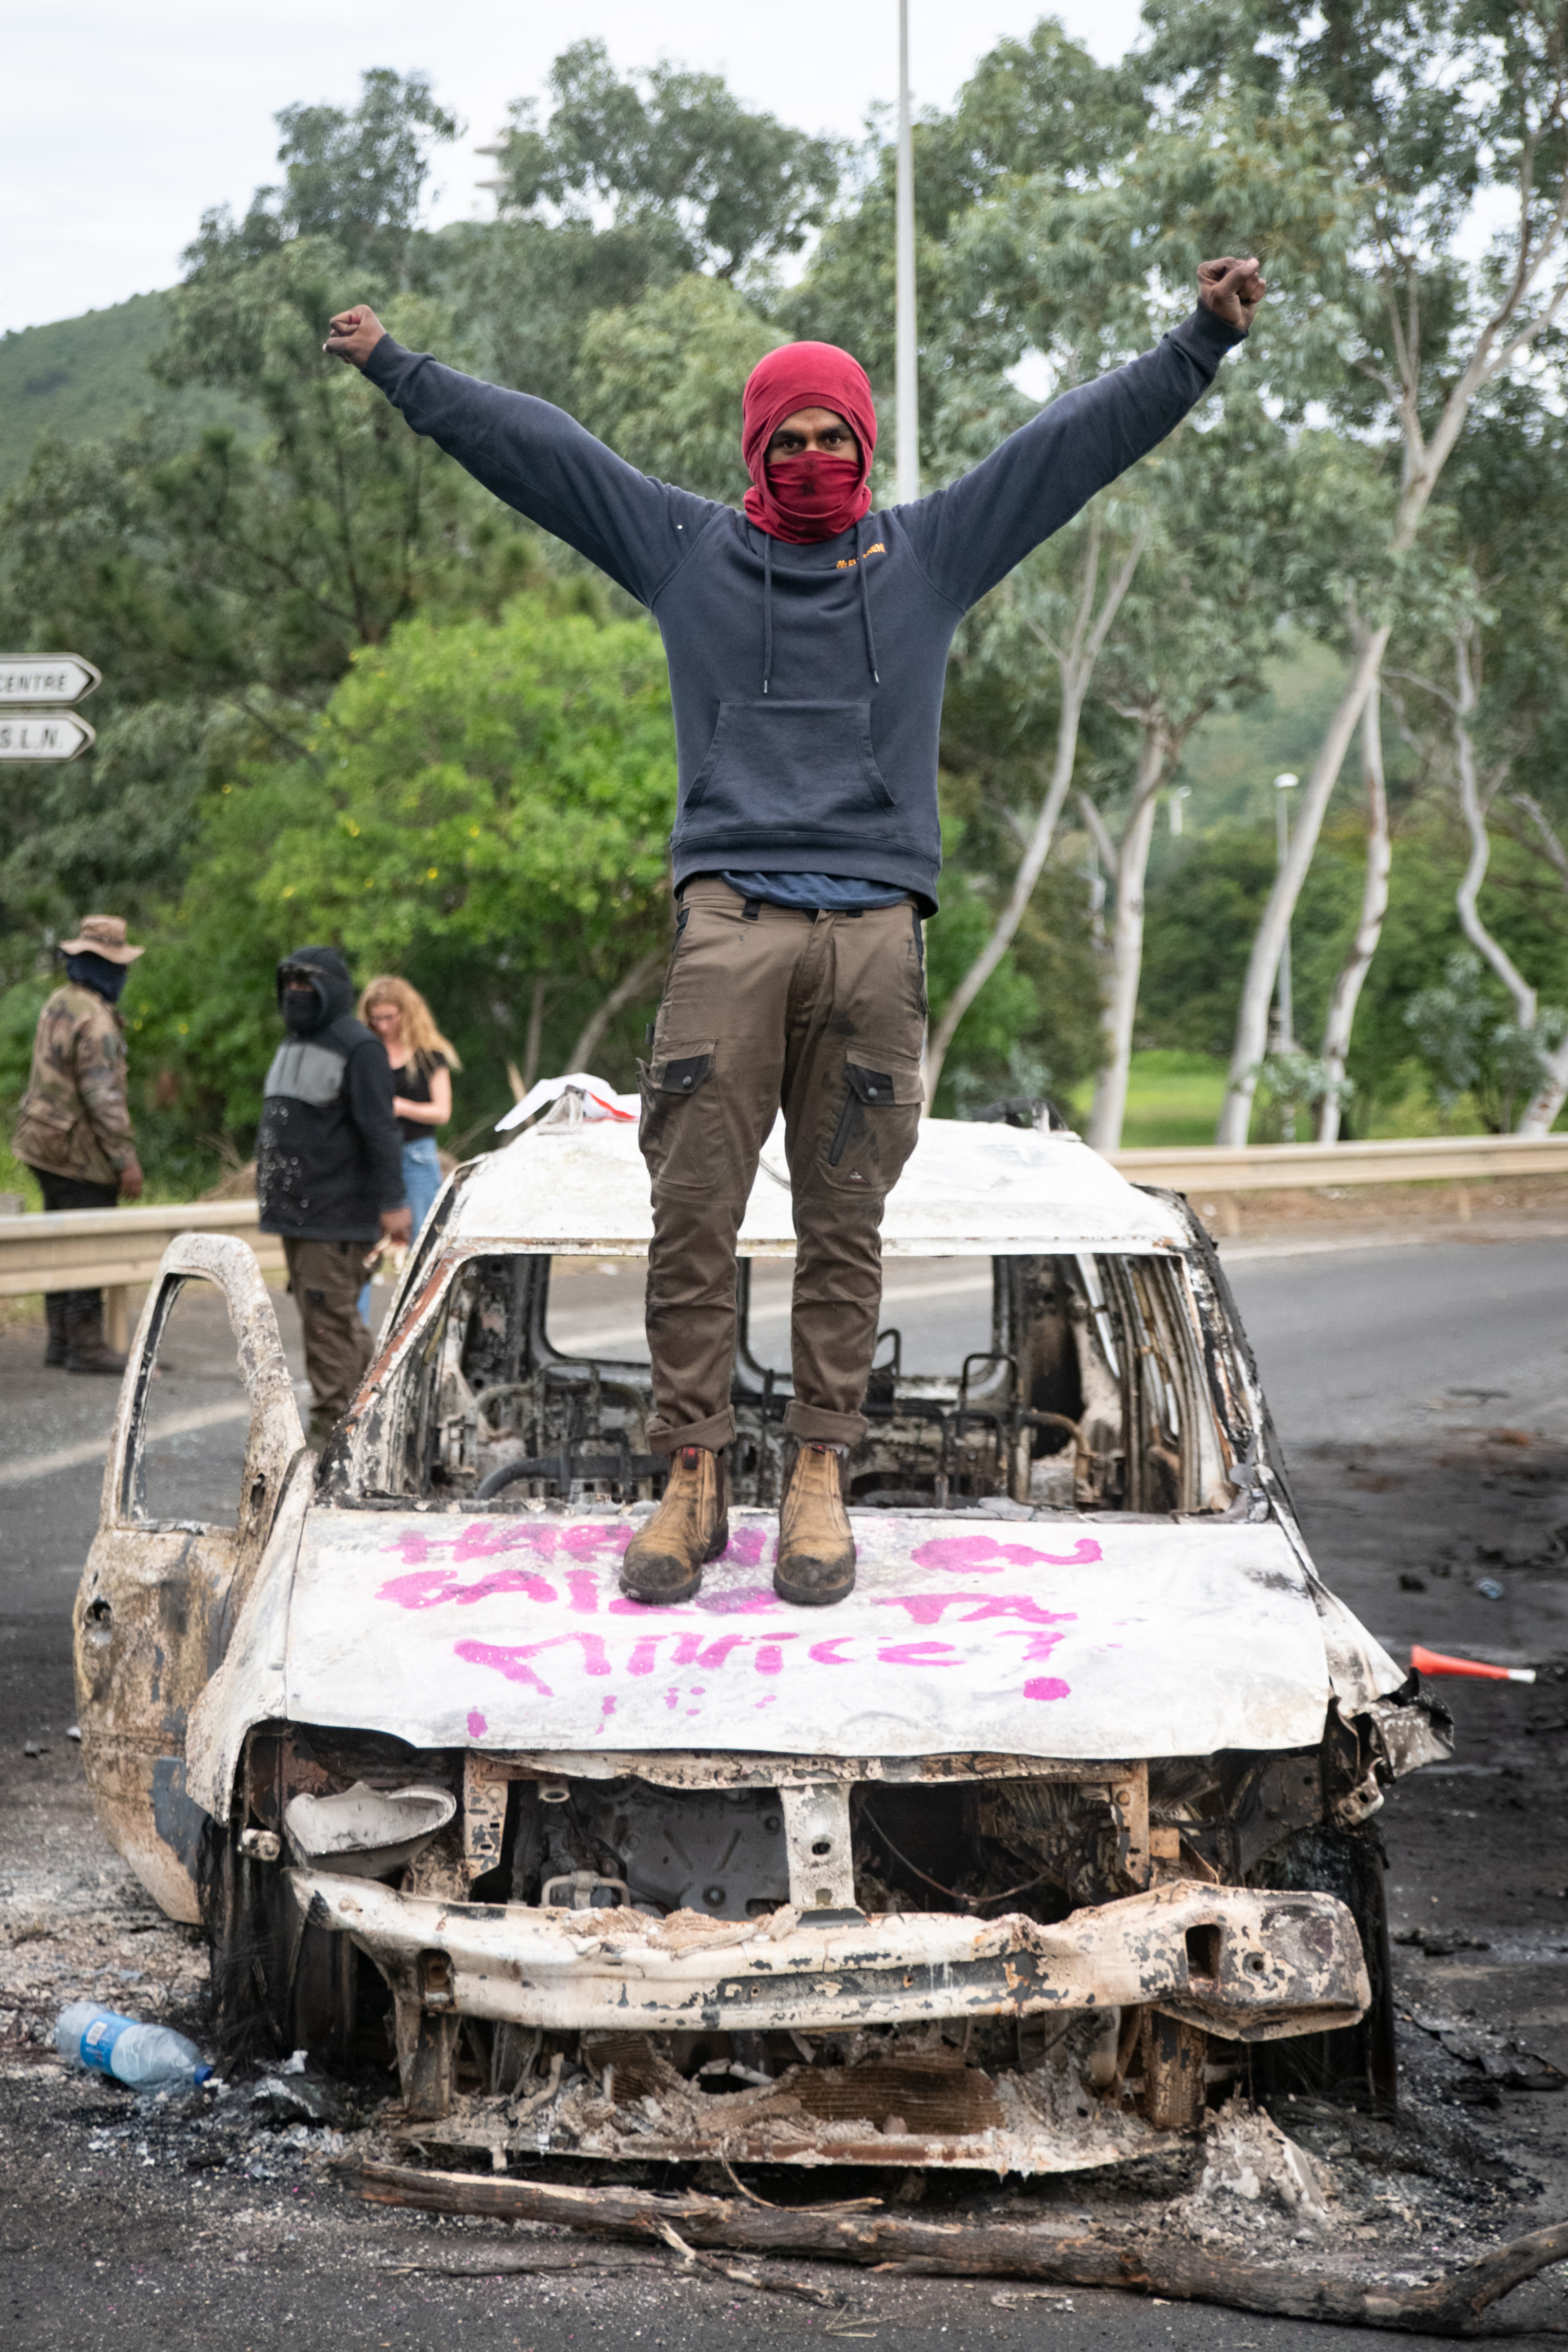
(1421, 1396)
(1361, 1346)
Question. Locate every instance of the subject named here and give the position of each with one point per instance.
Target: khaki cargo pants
(823, 1016)
(325, 1278)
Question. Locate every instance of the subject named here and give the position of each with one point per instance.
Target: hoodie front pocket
(789, 770)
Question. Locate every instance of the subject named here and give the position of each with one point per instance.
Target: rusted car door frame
(158, 1599)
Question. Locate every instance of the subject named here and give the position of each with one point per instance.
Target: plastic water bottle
(147, 2057)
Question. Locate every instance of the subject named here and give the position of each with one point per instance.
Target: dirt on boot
(816, 1550)
(664, 1561)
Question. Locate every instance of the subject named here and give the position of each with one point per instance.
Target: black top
(328, 1157)
(413, 1083)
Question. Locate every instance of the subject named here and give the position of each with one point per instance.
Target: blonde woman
(423, 1061)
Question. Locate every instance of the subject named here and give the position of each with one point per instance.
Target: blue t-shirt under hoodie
(807, 681)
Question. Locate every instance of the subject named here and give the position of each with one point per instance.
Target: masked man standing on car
(806, 640)
(328, 1169)
(73, 1130)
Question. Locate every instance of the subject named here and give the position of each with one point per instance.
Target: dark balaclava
(97, 973)
(331, 991)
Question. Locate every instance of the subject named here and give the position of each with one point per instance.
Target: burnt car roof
(579, 1186)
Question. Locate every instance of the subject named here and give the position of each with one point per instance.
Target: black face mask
(97, 973)
(300, 1008)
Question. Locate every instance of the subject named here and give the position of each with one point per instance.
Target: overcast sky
(125, 121)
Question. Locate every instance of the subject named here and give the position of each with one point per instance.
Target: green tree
(352, 177)
(482, 806)
(1036, 108)
(222, 587)
(1435, 104)
(527, 292)
(740, 189)
(667, 378)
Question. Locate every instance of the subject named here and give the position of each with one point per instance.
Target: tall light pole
(907, 402)
(1285, 1013)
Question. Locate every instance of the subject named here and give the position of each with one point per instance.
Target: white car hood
(1037, 1638)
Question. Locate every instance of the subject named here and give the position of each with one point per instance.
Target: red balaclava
(810, 497)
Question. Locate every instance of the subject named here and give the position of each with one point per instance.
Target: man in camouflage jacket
(74, 1127)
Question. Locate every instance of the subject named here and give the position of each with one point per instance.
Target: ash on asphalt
(214, 2218)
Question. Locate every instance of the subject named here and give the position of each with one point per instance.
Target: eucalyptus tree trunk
(1551, 1091)
(1120, 1004)
(533, 1044)
(626, 990)
(1268, 940)
(1076, 662)
(1531, 290)
(1341, 1018)
(1474, 803)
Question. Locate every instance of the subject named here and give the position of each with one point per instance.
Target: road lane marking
(210, 1416)
(93, 1449)
(574, 1335)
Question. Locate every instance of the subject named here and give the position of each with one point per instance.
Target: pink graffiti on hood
(512, 1660)
(583, 1540)
(926, 1608)
(983, 1555)
(428, 1587)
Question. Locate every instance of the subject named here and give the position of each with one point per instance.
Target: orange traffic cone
(1433, 1662)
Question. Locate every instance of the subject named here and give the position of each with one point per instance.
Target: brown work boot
(816, 1550)
(664, 1560)
(86, 1348)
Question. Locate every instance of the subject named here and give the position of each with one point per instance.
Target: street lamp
(1284, 1014)
(906, 400)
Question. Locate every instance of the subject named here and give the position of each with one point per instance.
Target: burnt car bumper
(1242, 1963)
(1001, 2045)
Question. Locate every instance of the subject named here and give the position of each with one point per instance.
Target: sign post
(35, 690)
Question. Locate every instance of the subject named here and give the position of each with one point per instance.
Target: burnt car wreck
(1082, 1840)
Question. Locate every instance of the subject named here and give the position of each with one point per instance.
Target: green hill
(87, 379)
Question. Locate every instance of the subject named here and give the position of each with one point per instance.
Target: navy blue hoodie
(807, 681)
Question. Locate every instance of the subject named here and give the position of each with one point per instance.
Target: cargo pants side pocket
(682, 1128)
(878, 1120)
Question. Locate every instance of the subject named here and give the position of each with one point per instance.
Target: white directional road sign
(45, 678)
(42, 735)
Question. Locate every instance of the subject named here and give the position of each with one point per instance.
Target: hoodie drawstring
(766, 608)
(768, 611)
(865, 610)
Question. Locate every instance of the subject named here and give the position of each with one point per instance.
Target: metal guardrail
(109, 1249)
(1214, 1167)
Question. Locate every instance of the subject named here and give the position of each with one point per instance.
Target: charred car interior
(1092, 1395)
(1084, 1840)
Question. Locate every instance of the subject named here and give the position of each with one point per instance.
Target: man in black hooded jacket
(329, 1169)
